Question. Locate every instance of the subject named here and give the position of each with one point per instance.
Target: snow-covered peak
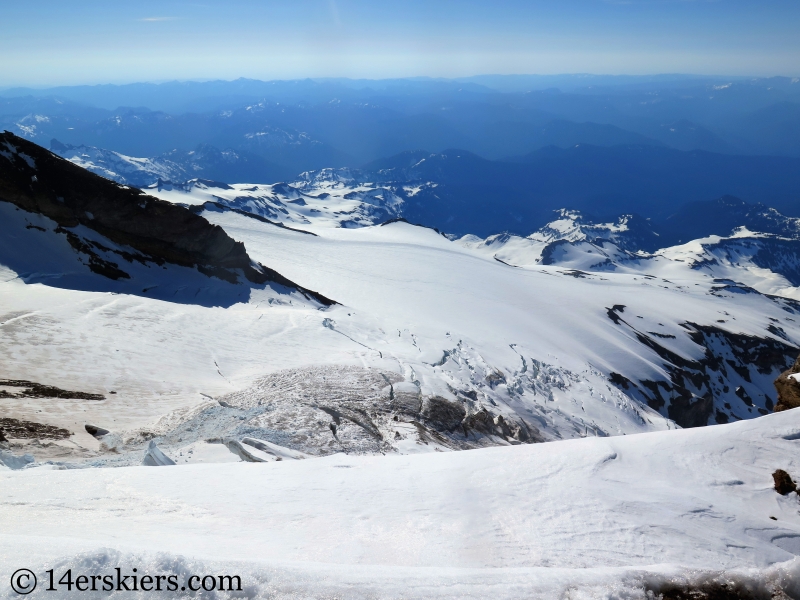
(127, 170)
(764, 262)
(570, 233)
(177, 166)
(314, 180)
(631, 232)
(327, 198)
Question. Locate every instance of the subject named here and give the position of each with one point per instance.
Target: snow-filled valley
(320, 447)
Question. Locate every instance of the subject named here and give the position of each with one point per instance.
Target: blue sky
(53, 42)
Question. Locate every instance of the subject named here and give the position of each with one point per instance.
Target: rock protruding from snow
(155, 457)
(788, 388)
(784, 484)
(443, 414)
(95, 431)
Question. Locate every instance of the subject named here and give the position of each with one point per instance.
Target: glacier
(565, 415)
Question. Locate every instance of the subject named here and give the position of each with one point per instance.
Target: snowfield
(552, 314)
(590, 518)
(436, 329)
(390, 445)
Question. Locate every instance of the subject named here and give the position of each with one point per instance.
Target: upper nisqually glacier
(341, 357)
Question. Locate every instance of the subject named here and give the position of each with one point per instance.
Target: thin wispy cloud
(157, 19)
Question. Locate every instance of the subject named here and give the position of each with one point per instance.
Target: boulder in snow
(97, 432)
(788, 388)
(783, 482)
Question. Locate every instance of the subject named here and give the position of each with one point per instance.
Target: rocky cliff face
(38, 181)
(788, 389)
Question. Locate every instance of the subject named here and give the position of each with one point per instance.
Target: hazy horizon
(47, 43)
(333, 79)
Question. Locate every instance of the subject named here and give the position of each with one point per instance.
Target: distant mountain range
(461, 193)
(762, 251)
(503, 152)
(177, 165)
(413, 186)
(305, 125)
(474, 195)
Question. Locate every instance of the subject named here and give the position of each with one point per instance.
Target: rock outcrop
(442, 414)
(784, 484)
(18, 429)
(788, 389)
(31, 389)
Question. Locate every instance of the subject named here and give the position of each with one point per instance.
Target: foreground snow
(600, 517)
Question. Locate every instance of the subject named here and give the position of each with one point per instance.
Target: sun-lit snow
(594, 518)
(325, 198)
(120, 167)
(536, 345)
(567, 242)
(555, 336)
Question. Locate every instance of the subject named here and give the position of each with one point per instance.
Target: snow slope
(555, 353)
(552, 314)
(452, 349)
(592, 518)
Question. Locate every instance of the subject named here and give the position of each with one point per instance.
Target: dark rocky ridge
(31, 389)
(38, 181)
(17, 429)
